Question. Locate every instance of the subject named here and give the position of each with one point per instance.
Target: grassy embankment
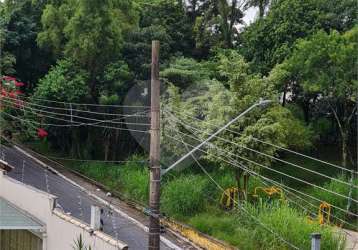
(192, 198)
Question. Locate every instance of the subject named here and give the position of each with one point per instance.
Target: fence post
(315, 241)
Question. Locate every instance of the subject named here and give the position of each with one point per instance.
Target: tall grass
(239, 229)
(131, 178)
(294, 227)
(185, 195)
(338, 201)
(194, 199)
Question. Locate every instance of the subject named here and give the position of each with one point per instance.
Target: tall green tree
(21, 24)
(261, 4)
(217, 26)
(7, 60)
(89, 32)
(172, 16)
(270, 40)
(163, 20)
(324, 66)
(216, 103)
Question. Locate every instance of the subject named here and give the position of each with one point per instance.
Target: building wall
(19, 240)
(61, 230)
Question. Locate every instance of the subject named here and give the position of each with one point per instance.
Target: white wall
(61, 229)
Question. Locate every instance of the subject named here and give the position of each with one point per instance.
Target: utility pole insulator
(154, 155)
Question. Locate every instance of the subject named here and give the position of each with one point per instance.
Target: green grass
(339, 201)
(183, 196)
(130, 179)
(238, 229)
(191, 197)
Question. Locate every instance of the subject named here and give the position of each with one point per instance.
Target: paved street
(73, 200)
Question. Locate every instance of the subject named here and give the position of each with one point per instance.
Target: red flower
(3, 92)
(41, 133)
(19, 84)
(18, 92)
(12, 94)
(9, 78)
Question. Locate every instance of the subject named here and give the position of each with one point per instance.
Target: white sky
(250, 15)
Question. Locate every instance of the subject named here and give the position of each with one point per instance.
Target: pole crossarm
(175, 164)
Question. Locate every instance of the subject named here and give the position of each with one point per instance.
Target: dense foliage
(299, 54)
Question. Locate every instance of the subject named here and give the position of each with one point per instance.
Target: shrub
(185, 195)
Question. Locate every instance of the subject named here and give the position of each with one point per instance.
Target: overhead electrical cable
(90, 104)
(136, 114)
(266, 155)
(235, 165)
(79, 117)
(239, 205)
(73, 125)
(270, 144)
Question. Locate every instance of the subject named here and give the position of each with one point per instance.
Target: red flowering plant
(12, 105)
(42, 133)
(9, 91)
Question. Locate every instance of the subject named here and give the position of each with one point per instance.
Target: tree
(184, 72)
(261, 4)
(21, 24)
(89, 32)
(172, 17)
(325, 67)
(242, 89)
(270, 40)
(137, 49)
(217, 25)
(163, 20)
(65, 82)
(7, 60)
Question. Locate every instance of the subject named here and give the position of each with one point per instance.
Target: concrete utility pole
(154, 188)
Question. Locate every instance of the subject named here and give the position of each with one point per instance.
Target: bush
(185, 195)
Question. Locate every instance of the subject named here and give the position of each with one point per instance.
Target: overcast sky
(250, 15)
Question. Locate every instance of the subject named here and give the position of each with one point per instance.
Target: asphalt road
(73, 200)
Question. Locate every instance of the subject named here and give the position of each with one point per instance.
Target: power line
(292, 177)
(257, 104)
(235, 165)
(91, 160)
(71, 125)
(137, 114)
(243, 158)
(90, 104)
(252, 216)
(269, 156)
(80, 117)
(271, 144)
